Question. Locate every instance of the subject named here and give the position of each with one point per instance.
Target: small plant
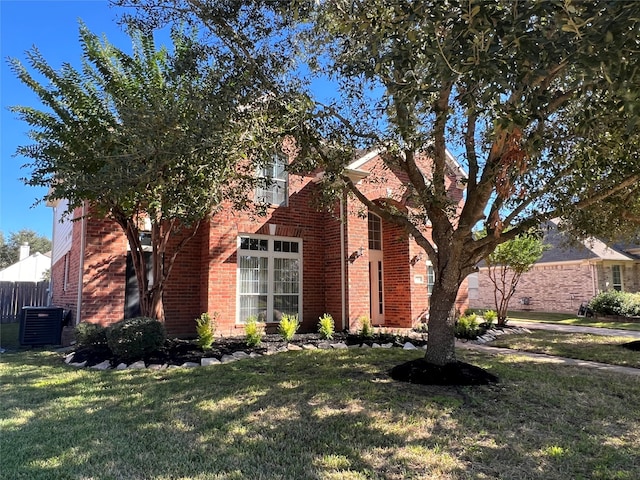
(467, 327)
(133, 338)
(206, 329)
(90, 334)
(288, 327)
(366, 330)
(252, 332)
(490, 317)
(326, 327)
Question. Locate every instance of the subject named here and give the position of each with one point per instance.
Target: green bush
(613, 302)
(133, 338)
(252, 332)
(490, 317)
(288, 326)
(326, 326)
(90, 334)
(206, 329)
(467, 327)
(366, 329)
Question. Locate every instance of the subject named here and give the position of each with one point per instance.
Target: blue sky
(52, 26)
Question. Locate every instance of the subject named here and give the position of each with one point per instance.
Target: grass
(9, 333)
(314, 415)
(596, 348)
(570, 319)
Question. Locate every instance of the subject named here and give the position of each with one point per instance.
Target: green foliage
(206, 329)
(613, 302)
(10, 250)
(467, 327)
(90, 334)
(326, 326)
(366, 329)
(288, 326)
(253, 332)
(490, 317)
(133, 338)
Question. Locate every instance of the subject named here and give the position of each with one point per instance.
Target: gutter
(343, 273)
(81, 263)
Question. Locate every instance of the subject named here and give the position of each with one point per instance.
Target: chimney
(24, 250)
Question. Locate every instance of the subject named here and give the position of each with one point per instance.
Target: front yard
(314, 415)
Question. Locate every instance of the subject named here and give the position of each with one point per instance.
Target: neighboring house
(295, 260)
(566, 276)
(29, 268)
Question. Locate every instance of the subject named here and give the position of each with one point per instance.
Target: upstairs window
(273, 189)
(431, 278)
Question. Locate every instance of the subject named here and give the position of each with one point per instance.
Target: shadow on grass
(311, 415)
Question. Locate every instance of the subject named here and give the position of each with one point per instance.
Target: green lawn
(596, 348)
(314, 415)
(9, 333)
(570, 319)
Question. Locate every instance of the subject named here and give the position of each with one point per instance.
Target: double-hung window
(273, 186)
(616, 277)
(269, 277)
(431, 278)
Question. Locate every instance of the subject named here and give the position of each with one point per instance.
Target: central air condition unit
(41, 325)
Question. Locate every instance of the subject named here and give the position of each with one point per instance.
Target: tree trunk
(441, 339)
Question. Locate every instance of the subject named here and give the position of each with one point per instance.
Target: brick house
(566, 276)
(296, 260)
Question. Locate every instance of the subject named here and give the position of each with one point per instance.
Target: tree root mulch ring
(421, 372)
(635, 345)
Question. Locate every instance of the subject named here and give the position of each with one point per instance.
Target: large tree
(539, 100)
(152, 136)
(533, 96)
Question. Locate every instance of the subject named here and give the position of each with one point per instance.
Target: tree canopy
(157, 135)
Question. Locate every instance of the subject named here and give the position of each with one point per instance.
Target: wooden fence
(15, 295)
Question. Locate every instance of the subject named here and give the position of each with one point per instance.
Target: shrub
(206, 329)
(366, 330)
(288, 326)
(631, 305)
(467, 326)
(252, 332)
(490, 317)
(90, 334)
(610, 302)
(133, 338)
(326, 326)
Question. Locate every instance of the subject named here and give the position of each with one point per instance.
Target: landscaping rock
(69, 358)
(309, 346)
(293, 347)
(121, 366)
(324, 345)
(106, 365)
(409, 346)
(365, 345)
(139, 365)
(339, 346)
(228, 359)
(375, 345)
(240, 355)
(157, 366)
(206, 362)
(387, 345)
(254, 355)
(79, 364)
(190, 365)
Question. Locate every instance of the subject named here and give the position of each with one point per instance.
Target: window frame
(275, 176)
(618, 286)
(271, 255)
(431, 278)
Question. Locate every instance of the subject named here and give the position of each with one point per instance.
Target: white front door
(376, 272)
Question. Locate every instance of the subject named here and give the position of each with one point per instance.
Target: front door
(376, 272)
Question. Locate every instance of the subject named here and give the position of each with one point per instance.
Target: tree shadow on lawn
(319, 414)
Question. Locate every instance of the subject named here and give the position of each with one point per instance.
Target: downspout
(343, 275)
(83, 224)
(53, 246)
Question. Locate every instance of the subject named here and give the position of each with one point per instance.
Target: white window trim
(270, 254)
(621, 284)
(274, 181)
(430, 266)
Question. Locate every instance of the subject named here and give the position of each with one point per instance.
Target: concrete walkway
(541, 357)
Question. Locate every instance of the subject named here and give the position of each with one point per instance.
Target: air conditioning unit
(41, 325)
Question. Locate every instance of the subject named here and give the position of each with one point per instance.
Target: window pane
(375, 232)
(286, 277)
(284, 304)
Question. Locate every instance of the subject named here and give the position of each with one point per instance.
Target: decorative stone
(254, 355)
(324, 345)
(69, 358)
(121, 366)
(409, 346)
(293, 347)
(79, 364)
(206, 362)
(228, 359)
(387, 345)
(240, 354)
(157, 366)
(365, 345)
(106, 365)
(139, 365)
(355, 345)
(375, 345)
(190, 365)
(309, 346)
(339, 346)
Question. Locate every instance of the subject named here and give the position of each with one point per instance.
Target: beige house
(566, 276)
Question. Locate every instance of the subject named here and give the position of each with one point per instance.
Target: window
(616, 277)
(431, 278)
(65, 279)
(273, 189)
(375, 232)
(269, 278)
